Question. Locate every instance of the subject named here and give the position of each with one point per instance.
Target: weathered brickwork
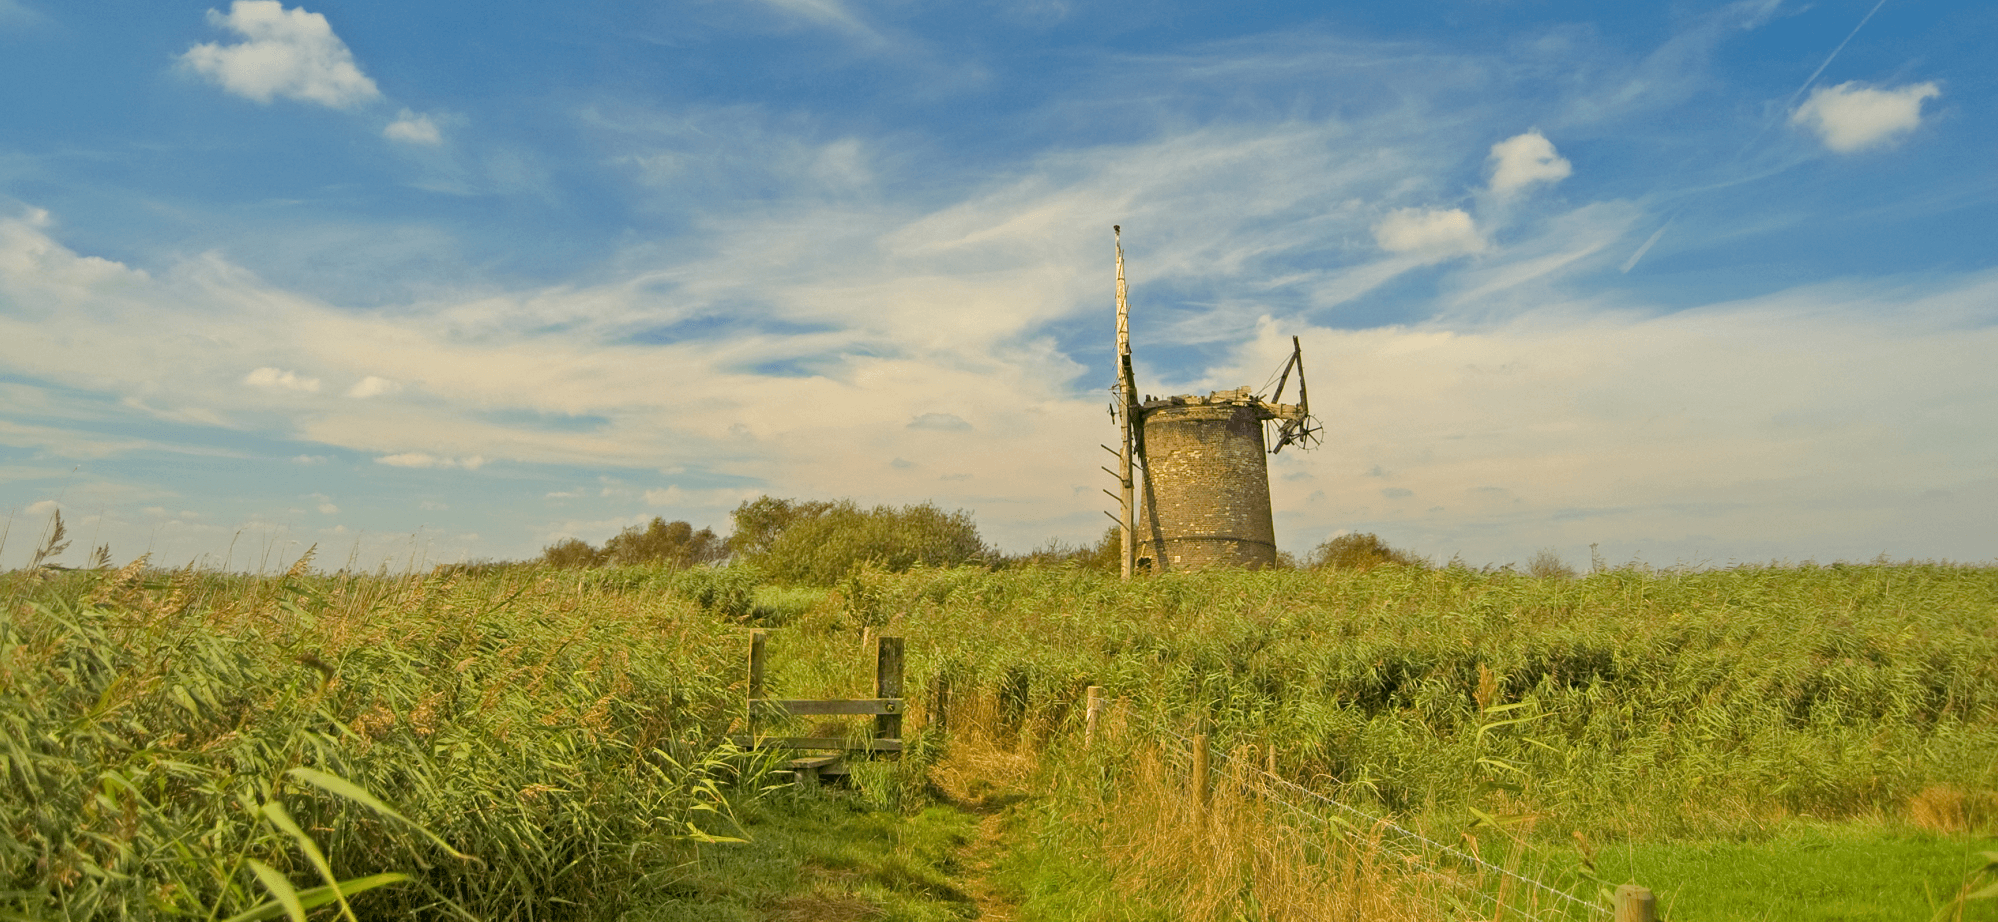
(1209, 484)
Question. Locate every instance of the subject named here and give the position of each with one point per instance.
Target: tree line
(820, 542)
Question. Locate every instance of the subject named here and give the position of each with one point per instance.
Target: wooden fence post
(756, 639)
(1090, 712)
(888, 684)
(940, 703)
(1013, 690)
(1635, 904)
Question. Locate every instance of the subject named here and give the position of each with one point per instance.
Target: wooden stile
(886, 707)
(784, 707)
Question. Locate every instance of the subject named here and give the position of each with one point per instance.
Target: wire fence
(1269, 785)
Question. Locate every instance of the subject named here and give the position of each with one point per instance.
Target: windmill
(1192, 471)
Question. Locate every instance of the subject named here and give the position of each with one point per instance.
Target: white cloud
(431, 505)
(941, 422)
(412, 459)
(718, 498)
(284, 53)
(276, 379)
(44, 507)
(1524, 159)
(328, 508)
(411, 128)
(425, 460)
(308, 459)
(1852, 116)
(372, 386)
(1430, 234)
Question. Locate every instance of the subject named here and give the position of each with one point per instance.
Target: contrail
(1646, 248)
(1630, 263)
(1834, 54)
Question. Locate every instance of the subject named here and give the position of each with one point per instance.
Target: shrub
(574, 552)
(1545, 564)
(1362, 551)
(674, 544)
(1103, 555)
(658, 543)
(820, 543)
(726, 591)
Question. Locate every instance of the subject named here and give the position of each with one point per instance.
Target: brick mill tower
(1194, 472)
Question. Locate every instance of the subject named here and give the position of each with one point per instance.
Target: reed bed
(1626, 702)
(1534, 721)
(526, 743)
(504, 746)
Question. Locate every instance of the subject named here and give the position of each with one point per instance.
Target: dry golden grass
(1128, 805)
(1948, 810)
(1243, 856)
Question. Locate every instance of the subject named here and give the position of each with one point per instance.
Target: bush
(1545, 564)
(574, 552)
(820, 543)
(1363, 551)
(659, 543)
(675, 544)
(726, 591)
(1103, 555)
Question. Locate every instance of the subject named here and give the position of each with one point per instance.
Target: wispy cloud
(830, 14)
(372, 386)
(941, 422)
(413, 128)
(278, 379)
(1718, 432)
(16, 13)
(424, 460)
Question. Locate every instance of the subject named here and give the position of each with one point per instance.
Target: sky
(1691, 284)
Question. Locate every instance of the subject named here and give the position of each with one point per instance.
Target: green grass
(1806, 871)
(776, 606)
(825, 856)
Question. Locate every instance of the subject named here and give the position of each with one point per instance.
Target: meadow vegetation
(536, 741)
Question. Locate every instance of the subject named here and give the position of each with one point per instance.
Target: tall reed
(522, 747)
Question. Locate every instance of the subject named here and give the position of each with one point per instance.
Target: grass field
(527, 743)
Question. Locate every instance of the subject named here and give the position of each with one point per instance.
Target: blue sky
(1696, 283)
